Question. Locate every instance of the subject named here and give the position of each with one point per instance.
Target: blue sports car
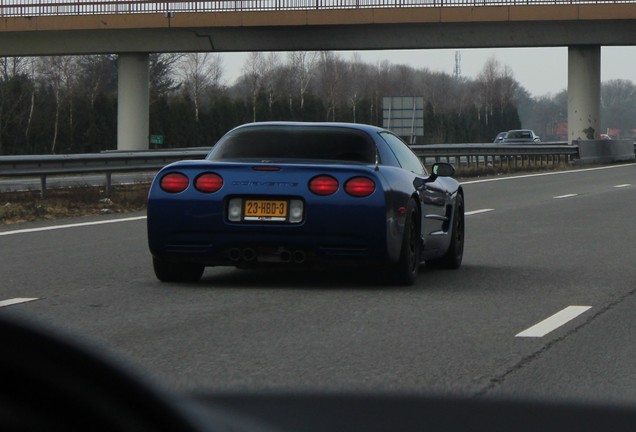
(284, 193)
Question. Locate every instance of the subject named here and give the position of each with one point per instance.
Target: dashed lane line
(554, 322)
(623, 185)
(565, 196)
(14, 301)
(474, 212)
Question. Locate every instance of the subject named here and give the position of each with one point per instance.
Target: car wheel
(167, 271)
(452, 259)
(406, 269)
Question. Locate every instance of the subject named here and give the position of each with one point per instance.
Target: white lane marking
(545, 174)
(474, 212)
(623, 185)
(555, 321)
(565, 196)
(16, 301)
(56, 227)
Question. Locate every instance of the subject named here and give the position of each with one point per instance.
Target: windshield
(519, 134)
(513, 278)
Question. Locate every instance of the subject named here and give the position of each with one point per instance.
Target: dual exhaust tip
(250, 255)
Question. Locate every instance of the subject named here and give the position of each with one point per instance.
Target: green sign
(156, 139)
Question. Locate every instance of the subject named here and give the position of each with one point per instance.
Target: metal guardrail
(512, 155)
(107, 163)
(119, 162)
(31, 8)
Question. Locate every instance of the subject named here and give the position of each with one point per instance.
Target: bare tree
(330, 79)
(253, 77)
(618, 105)
(31, 70)
(496, 88)
(381, 86)
(61, 73)
(303, 66)
(405, 80)
(271, 64)
(12, 94)
(200, 72)
(97, 71)
(355, 83)
(162, 71)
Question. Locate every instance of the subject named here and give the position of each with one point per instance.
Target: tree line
(68, 104)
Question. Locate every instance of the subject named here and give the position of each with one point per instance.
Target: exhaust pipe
(285, 256)
(248, 254)
(298, 256)
(234, 254)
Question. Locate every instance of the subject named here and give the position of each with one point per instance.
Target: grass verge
(17, 207)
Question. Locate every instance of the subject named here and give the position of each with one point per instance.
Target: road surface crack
(527, 360)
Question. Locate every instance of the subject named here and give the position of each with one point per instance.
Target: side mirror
(443, 170)
(438, 170)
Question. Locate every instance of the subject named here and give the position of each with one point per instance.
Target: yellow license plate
(265, 210)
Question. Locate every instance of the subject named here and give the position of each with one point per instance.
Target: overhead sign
(404, 116)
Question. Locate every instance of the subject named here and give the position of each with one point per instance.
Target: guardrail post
(109, 176)
(43, 187)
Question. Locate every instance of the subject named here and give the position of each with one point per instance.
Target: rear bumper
(192, 233)
(252, 250)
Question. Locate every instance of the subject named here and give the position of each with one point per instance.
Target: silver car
(521, 136)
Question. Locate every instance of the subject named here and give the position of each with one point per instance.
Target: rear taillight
(323, 185)
(174, 182)
(359, 186)
(208, 182)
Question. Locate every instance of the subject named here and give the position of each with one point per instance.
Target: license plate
(274, 210)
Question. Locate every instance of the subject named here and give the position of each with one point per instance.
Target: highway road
(558, 245)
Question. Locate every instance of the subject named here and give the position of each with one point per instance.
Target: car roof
(355, 126)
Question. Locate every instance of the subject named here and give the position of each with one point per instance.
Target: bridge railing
(108, 163)
(31, 8)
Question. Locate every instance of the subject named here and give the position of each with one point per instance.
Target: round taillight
(208, 182)
(323, 185)
(360, 186)
(174, 182)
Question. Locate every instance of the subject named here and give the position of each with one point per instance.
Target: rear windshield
(519, 134)
(284, 142)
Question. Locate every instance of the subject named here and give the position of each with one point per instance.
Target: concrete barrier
(605, 151)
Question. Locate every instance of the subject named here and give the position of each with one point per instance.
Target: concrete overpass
(133, 29)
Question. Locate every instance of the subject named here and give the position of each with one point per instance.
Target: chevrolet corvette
(284, 193)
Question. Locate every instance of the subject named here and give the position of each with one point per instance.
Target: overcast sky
(541, 71)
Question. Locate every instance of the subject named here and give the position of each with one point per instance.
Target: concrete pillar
(584, 92)
(133, 102)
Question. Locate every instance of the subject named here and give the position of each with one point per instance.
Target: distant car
(299, 193)
(521, 136)
(500, 137)
(605, 137)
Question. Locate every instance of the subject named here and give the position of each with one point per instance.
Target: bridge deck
(366, 27)
(268, 18)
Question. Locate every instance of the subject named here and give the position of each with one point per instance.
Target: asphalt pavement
(536, 246)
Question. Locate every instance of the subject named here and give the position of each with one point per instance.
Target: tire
(404, 272)
(167, 271)
(452, 259)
